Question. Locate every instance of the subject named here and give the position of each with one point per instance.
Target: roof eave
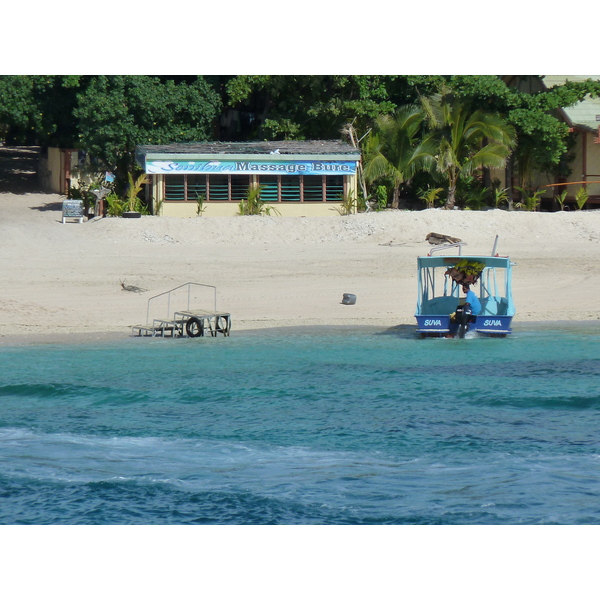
(251, 157)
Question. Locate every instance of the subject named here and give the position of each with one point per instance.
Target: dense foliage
(465, 140)
(116, 113)
(109, 115)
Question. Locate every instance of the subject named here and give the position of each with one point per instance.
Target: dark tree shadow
(53, 206)
(19, 170)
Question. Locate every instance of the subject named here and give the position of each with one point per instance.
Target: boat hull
(442, 326)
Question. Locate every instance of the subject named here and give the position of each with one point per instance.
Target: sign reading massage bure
(241, 167)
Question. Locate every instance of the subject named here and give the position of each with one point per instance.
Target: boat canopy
(438, 293)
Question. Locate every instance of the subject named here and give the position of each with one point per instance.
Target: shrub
(254, 205)
(529, 200)
(200, 208)
(560, 198)
(347, 206)
(500, 196)
(581, 197)
(116, 205)
(430, 195)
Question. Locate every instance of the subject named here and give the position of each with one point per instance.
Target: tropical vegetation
(253, 204)
(396, 149)
(416, 133)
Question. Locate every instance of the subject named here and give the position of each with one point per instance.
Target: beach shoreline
(64, 282)
(406, 331)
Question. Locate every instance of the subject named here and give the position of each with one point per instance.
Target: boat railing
(170, 293)
(458, 245)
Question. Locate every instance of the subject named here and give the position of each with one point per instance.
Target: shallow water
(343, 426)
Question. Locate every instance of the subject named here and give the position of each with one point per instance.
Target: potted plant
(132, 202)
(466, 272)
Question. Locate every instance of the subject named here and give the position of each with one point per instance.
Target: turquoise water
(343, 426)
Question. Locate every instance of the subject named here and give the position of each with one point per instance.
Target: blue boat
(441, 312)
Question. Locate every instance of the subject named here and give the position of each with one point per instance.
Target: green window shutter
(290, 188)
(334, 188)
(239, 187)
(218, 187)
(313, 188)
(269, 184)
(196, 186)
(174, 188)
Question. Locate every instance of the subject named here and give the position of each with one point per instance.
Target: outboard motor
(463, 317)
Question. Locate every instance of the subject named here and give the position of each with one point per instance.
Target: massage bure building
(298, 178)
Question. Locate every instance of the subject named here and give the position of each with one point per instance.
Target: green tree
(318, 106)
(308, 106)
(116, 113)
(395, 149)
(543, 139)
(17, 108)
(107, 116)
(465, 139)
(38, 109)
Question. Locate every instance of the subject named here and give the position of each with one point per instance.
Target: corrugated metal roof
(583, 113)
(288, 147)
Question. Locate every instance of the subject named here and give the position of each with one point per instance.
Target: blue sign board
(252, 167)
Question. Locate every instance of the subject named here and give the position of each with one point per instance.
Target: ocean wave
(322, 429)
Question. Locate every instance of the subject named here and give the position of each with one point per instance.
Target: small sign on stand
(72, 209)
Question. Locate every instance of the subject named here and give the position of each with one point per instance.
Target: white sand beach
(64, 280)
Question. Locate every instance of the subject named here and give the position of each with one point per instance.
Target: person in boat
(472, 300)
(465, 313)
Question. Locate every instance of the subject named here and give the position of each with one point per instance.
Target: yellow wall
(230, 209)
(156, 192)
(52, 170)
(54, 166)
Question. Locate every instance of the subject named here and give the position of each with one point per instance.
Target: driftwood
(440, 238)
(392, 243)
(132, 288)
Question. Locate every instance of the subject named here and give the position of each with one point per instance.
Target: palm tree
(395, 148)
(464, 140)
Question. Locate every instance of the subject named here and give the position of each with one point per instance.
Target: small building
(62, 169)
(57, 169)
(297, 178)
(583, 120)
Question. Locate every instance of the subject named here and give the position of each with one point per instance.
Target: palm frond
(432, 107)
(492, 155)
(378, 166)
